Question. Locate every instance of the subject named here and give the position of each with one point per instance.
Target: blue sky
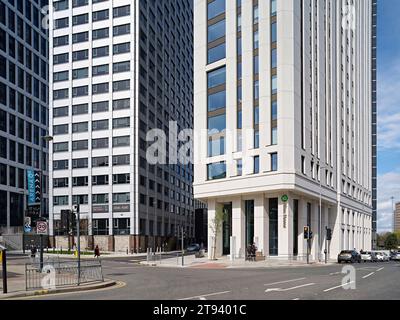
(388, 110)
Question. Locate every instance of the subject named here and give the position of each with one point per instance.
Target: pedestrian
(96, 252)
(33, 251)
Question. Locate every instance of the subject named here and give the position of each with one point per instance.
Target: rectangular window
(215, 8)
(81, 73)
(216, 171)
(100, 70)
(216, 77)
(216, 31)
(217, 101)
(216, 53)
(256, 164)
(274, 162)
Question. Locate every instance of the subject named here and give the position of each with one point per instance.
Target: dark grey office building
(23, 104)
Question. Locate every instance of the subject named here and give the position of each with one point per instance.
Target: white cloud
(388, 107)
(388, 186)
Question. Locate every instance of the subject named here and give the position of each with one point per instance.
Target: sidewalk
(17, 287)
(225, 262)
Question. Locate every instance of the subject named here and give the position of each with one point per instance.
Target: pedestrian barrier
(62, 273)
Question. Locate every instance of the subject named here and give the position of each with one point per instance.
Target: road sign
(27, 224)
(284, 198)
(41, 227)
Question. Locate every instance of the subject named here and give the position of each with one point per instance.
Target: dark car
(351, 256)
(194, 247)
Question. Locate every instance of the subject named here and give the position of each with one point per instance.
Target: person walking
(96, 252)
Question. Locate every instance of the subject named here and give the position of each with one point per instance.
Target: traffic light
(307, 232)
(328, 234)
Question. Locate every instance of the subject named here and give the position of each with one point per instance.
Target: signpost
(27, 224)
(3, 261)
(41, 227)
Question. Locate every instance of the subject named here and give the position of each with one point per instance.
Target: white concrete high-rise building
(117, 70)
(283, 89)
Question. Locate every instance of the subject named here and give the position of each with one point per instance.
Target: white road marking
(296, 299)
(293, 280)
(342, 285)
(334, 273)
(368, 275)
(289, 289)
(380, 269)
(205, 295)
(202, 298)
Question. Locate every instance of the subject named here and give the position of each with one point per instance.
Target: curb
(102, 285)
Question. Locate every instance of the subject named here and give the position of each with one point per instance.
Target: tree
(216, 228)
(391, 242)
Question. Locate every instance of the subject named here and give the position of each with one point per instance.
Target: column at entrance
(261, 225)
(302, 223)
(238, 227)
(285, 227)
(214, 235)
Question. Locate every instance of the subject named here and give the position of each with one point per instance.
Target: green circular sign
(285, 198)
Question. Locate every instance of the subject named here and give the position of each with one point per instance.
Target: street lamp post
(45, 139)
(320, 213)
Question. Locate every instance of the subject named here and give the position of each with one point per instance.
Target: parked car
(366, 256)
(396, 256)
(194, 247)
(351, 256)
(382, 257)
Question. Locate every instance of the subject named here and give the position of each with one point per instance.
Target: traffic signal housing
(328, 234)
(307, 232)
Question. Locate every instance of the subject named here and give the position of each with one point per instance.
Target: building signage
(121, 208)
(34, 187)
(100, 209)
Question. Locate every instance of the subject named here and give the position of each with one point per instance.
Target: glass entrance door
(227, 229)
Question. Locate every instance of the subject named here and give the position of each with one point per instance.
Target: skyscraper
(23, 105)
(283, 90)
(117, 70)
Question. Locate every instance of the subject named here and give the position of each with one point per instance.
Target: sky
(388, 110)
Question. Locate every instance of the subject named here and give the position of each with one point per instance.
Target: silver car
(396, 257)
(382, 257)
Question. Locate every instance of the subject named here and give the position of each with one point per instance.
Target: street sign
(41, 227)
(27, 224)
(284, 198)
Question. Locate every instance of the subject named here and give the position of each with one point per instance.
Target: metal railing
(56, 273)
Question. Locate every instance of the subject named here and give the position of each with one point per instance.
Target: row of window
(84, 36)
(216, 171)
(83, 163)
(83, 73)
(99, 88)
(96, 16)
(96, 144)
(15, 177)
(101, 106)
(97, 125)
(123, 178)
(101, 198)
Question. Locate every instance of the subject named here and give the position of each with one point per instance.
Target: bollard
(127, 251)
(148, 255)
(3, 258)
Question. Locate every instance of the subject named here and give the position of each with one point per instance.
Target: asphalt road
(372, 281)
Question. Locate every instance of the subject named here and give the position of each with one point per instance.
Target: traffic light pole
(78, 233)
(41, 215)
(183, 251)
(326, 245)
